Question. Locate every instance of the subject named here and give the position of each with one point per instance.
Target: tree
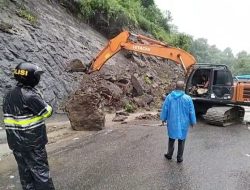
(199, 49)
(147, 3)
(183, 41)
(227, 57)
(206, 53)
(242, 63)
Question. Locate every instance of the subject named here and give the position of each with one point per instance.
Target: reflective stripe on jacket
(26, 122)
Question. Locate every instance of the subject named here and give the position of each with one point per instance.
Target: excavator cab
(210, 82)
(210, 85)
(199, 83)
(215, 100)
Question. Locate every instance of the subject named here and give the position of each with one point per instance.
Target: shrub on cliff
(112, 16)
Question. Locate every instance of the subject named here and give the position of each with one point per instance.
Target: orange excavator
(140, 44)
(219, 101)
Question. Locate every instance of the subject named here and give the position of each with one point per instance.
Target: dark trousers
(181, 144)
(34, 169)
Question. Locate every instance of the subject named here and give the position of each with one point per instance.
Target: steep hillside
(43, 32)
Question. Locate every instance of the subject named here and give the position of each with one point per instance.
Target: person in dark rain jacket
(179, 114)
(24, 113)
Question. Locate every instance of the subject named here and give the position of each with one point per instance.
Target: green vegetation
(129, 107)
(4, 3)
(241, 64)
(28, 15)
(147, 80)
(116, 15)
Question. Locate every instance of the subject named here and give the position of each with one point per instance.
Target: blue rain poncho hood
(178, 111)
(177, 94)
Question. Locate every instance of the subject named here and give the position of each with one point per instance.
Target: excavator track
(224, 116)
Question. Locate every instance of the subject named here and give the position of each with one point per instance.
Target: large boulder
(138, 61)
(76, 65)
(144, 100)
(126, 85)
(85, 112)
(137, 84)
(111, 93)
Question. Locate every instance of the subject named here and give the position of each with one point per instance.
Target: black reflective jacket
(24, 113)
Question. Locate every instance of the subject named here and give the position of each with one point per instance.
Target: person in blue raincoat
(179, 114)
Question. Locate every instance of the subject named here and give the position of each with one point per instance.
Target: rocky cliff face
(55, 37)
(50, 43)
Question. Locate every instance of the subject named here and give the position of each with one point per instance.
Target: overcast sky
(225, 23)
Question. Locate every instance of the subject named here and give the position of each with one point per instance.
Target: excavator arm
(141, 44)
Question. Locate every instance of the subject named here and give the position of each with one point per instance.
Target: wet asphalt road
(131, 157)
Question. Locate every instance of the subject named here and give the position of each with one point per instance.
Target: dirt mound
(127, 83)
